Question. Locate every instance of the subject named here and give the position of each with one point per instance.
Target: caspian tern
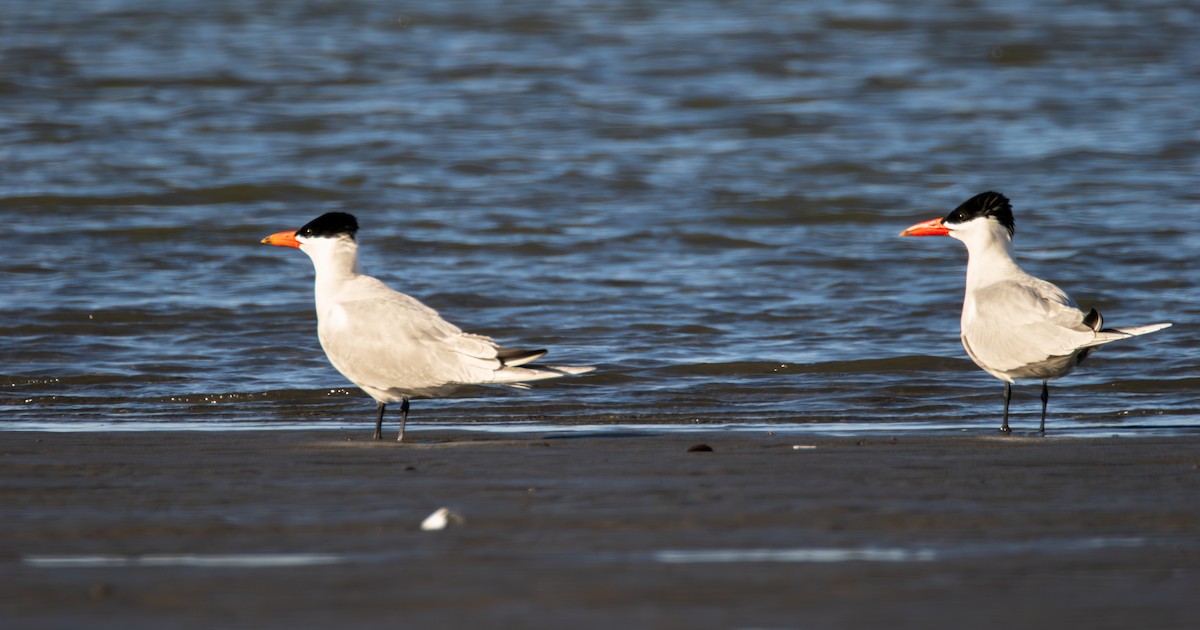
(389, 344)
(1013, 324)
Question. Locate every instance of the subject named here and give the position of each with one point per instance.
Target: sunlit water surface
(700, 198)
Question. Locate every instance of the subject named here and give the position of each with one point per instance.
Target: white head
(979, 221)
(329, 240)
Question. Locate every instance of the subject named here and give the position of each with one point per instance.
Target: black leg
(403, 418)
(1045, 399)
(1007, 397)
(379, 421)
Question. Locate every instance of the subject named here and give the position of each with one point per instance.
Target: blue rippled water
(701, 198)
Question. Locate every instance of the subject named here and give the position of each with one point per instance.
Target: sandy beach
(321, 529)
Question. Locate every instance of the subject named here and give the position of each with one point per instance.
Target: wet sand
(142, 530)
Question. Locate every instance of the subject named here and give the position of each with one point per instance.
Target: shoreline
(322, 527)
(568, 426)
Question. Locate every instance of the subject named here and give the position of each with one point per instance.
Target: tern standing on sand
(388, 343)
(1013, 324)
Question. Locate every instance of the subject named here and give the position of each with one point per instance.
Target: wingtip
(514, 357)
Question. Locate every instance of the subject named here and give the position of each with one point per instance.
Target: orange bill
(283, 239)
(932, 227)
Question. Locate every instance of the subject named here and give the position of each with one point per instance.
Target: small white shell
(438, 520)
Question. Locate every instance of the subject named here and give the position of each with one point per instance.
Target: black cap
(986, 205)
(330, 225)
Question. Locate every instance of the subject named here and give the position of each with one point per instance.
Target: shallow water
(791, 555)
(700, 198)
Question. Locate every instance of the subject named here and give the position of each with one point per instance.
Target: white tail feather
(1116, 334)
(1134, 331)
(571, 369)
(516, 376)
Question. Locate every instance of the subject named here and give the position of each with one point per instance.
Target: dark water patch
(234, 193)
(719, 241)
(1156, 386)
(76, 382)
(916, 363)
(201, 82)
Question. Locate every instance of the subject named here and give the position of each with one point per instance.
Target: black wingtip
(514, 357)
(1094, 320)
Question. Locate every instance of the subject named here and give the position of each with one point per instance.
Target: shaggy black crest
(988, 204)
(330, 225)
